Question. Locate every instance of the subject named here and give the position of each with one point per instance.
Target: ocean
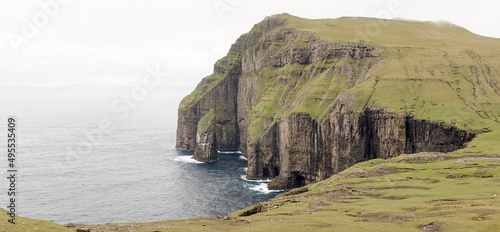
(90, 156)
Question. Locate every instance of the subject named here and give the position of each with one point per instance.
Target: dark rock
(429, 227)
(296, 191)
(85, 230)
(309, 151)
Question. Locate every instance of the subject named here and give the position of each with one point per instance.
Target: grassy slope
(27, 224)
(282, 91)
(439, 72)
(201, 89)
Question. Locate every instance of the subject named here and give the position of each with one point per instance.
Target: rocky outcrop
(276, 96)
(222, 101)
(289, 46)
(206, 145)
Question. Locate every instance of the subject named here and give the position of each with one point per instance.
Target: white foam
(187, 159)
(244, 177)
(243, 157)
(229, 152)
(263, 188)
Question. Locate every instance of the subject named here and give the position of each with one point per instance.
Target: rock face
(302, 151)
(279, 96)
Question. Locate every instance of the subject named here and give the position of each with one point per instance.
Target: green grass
(300, 88)
(27, 224)
(202, 88)
(391, 33)
(429, 86)
(439, 72)
(206, 121)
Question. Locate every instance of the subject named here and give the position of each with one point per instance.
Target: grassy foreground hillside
(27, 224)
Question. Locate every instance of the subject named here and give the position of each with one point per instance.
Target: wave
(229, 152)
(243, 157)
(257, 185)
(187, 159)
(244, 177)
(262, 188)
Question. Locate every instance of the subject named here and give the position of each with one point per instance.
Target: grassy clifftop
(391, 33)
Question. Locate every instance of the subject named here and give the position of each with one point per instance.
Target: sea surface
(89, 156)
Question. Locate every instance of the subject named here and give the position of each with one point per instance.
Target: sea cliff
(302, 104)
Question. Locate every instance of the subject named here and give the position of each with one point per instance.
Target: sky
(117, 43)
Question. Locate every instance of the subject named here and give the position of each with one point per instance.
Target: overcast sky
(51, 43)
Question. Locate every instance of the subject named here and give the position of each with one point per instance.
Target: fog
(96, 43)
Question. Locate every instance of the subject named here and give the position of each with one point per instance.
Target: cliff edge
(305, 99)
